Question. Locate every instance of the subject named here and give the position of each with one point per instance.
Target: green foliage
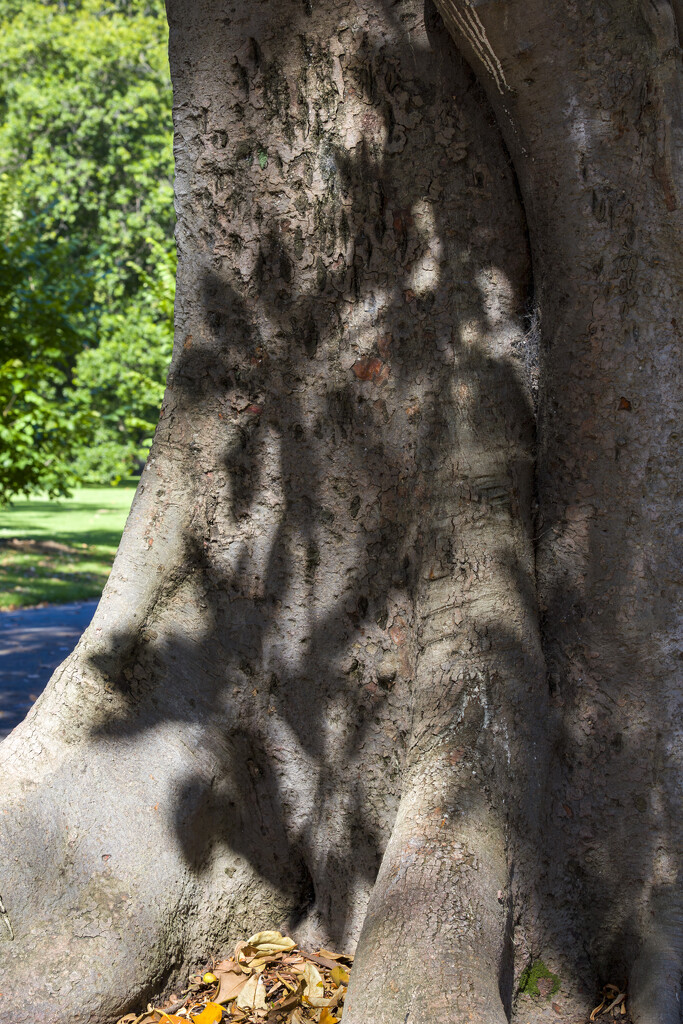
(44, 297)
(86, 158)
(119, 383)
(528, 982)
(85, 103)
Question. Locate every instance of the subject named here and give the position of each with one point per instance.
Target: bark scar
(5, 917)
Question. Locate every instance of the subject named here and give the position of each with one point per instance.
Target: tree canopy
(88, 260)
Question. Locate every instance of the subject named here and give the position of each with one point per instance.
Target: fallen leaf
(227, 965)
(339, 976)
(271, 942)
(253, 995)
(612, 996)
(243, 953)
(211, 1014)
(597, 1011)
(314, 990)
(288, 984)
(267, 980)
(230, 984)
(556, 1008)
(260, 1000)
(245, 1000)
(336, 956)
(337, 997)
(545, 986)
(281, 1009)
(260, 961)
(322, 961)
(617, 1002)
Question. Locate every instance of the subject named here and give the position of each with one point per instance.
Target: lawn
(61, 550)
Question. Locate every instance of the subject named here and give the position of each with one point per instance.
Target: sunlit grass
(59, 551)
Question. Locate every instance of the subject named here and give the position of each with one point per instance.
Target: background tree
(388, 655)
(44, 297)
(85, 150)
(118, 382)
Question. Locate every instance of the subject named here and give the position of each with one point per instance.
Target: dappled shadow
(97, 537)
(356, 433)
(348, 403)
(327, 582)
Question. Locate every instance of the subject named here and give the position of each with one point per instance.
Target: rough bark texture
(589, 100)
(319, 691)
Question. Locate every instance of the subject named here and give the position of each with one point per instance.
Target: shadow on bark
(349, 410)
(317, 475)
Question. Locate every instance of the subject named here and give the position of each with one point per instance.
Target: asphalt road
(33, 641)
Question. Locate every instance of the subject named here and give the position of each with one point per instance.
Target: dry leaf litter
(267, 980)
(613, 1002)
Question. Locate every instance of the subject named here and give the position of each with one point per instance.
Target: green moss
(528, 983)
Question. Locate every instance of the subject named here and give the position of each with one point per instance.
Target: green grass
(57, 551)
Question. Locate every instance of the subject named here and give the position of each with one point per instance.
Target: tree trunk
(590, 105)
(314, 695)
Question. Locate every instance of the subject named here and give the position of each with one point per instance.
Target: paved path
(33, 641)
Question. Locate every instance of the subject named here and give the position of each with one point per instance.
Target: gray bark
(386, 659)
(589, 101)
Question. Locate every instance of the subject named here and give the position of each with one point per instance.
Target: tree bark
(589, 101)
(320, 692)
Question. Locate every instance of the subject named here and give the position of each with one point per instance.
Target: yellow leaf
(339, 976)
(327, 1018)
(211, 1014)
(265, 943)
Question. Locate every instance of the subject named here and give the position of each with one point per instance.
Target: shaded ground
(60, 551)
(33, 642)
